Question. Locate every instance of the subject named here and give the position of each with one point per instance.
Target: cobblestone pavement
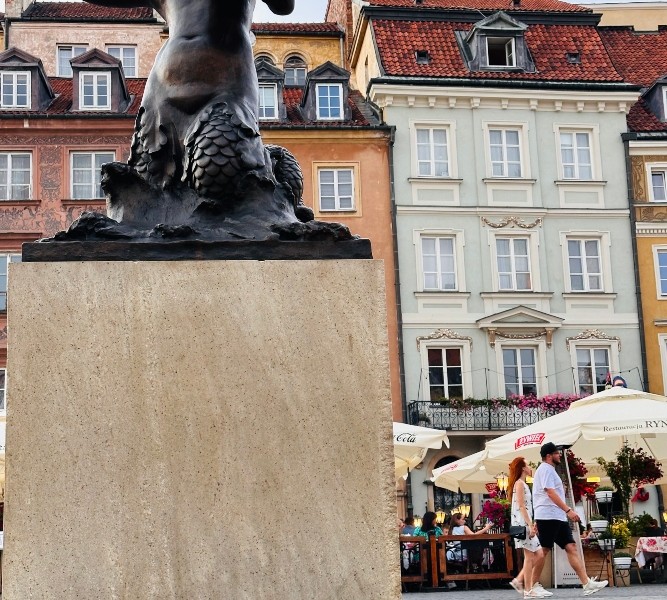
(644, 592)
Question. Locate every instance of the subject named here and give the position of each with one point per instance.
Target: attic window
(500, 52)
(15, 89)
(423, 57)
(573, 58)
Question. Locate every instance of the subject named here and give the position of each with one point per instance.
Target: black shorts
(551, 531)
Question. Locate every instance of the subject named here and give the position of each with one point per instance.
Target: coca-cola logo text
(405, 438)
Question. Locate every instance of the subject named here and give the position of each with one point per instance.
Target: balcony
(506, 414)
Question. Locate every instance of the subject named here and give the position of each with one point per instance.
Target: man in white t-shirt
(551, 516)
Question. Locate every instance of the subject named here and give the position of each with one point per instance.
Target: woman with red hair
(522, 514)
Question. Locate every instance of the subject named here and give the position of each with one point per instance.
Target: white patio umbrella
(467, 475)
(411, 443)
(594, 426)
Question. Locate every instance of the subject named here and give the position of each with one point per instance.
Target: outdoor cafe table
(650, 547)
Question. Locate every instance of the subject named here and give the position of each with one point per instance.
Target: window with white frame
(295, 71)
(439, 262)
(445, 373)
(15, 175)
(95, 91)
(661, 271)
(500, 52)
(15, 89)
(432, 151)
(658, 185)
(520, 371)
(329, 101)
(336, 188)
(513, 261)
(3, 389)
(86, 174)
(268, 101)
(5, 259)
(593, 365)
(505, 152)
(65, 54)
(585, 265)
(576, 155)
(127, 55)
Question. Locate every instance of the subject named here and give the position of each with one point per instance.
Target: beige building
(644, 16)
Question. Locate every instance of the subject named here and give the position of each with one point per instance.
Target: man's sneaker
(536, 593)
(540, 590)
(594, 586)
(517, 585)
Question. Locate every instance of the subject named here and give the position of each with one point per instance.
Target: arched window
(266, 58)
(295, 71)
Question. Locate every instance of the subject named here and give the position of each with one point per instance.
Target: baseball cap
(548, 448)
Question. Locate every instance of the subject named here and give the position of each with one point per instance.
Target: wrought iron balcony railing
(479, 416)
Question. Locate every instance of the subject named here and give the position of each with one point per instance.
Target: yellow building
(642, 59)
(644, 16)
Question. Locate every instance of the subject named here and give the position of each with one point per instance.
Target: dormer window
(500, 52)
(268, 101)
(15, 89)
(422, 57)
(94, 91)
(329, 101)
(664, 102)
(295, 71)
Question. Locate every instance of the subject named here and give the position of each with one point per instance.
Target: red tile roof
(488, 5)
(316, 28)
(62, 105)
(398, 40)
(640, 118)
(84, 11)
(640, 57)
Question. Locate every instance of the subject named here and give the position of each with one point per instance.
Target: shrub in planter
(606, 540)
(604, 493)
(621, 532)
(598, 523)
(622, 560)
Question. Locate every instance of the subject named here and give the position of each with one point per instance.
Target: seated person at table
(589, 535)
(457, 526)
(429, 526)
(654, 530)
(408, 526)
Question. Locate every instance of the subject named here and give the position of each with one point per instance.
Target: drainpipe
(635, 257)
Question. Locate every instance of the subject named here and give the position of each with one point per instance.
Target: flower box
(607, 544)
(622, 562)
(599, 526)
(604, 496)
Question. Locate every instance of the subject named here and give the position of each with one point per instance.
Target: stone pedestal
(199, 430)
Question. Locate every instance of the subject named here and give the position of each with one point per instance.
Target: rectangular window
(520, 372)
(127, 55)
(65, 54)
(432, 152)
(439, 263)
(94, 92)
(513, 263)
(585, 264)
(658, 186)
(592, 368)
(575, 154)
(5, 259)
(329, 101)
(295, 76)
(86, 174)
(445, 373)
(15, 175)
(336, 189)
(661, 257)
(15, 89)
(505, 149)
(268, 101)
(500, 52)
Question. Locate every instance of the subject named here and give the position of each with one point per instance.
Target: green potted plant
(598, 523)
(606, 540)
(622, 560)
(604, 493)
(621, 532)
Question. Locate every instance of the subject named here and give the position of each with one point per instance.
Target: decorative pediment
(520, 323)
(593, 334)
(96, 58)
(512, 221)
(18, 58)
(267, 71)
(329, 72)
(497, 22)
(443, 334)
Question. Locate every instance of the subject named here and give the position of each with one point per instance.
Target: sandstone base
(199, 430)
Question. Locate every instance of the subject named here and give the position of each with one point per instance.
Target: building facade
(513, 225)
